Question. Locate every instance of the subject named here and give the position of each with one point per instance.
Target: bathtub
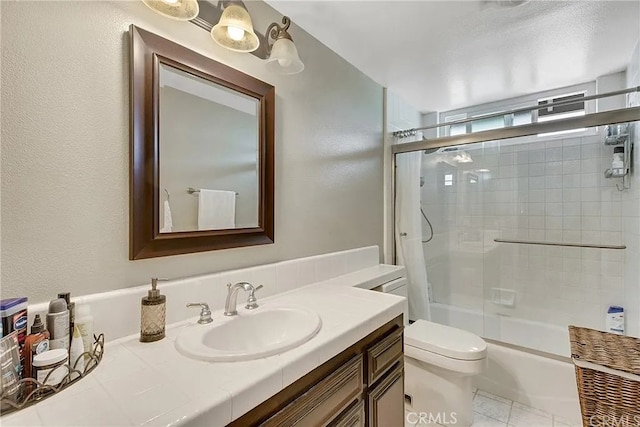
(528, 361)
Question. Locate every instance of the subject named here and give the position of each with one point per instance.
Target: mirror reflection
(208, 154)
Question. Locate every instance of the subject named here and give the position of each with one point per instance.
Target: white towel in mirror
(216, 209)
(167, 226)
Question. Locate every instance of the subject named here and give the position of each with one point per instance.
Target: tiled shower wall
(541, 189)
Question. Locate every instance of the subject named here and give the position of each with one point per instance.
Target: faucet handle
(205, 312)
(252, 302)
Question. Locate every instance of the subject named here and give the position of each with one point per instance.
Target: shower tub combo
(522, 234)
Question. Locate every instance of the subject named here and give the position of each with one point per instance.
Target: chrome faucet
(232, 296)
(205, 312)
(252, 302)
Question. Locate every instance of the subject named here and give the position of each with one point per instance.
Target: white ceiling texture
(441, 55)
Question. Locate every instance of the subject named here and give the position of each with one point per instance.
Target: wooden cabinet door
(386, 400)
(353, 417)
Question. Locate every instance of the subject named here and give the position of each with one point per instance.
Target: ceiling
(441, 55)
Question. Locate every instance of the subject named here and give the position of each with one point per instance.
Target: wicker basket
(608, 377)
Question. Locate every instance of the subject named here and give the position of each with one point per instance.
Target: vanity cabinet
(361, 387)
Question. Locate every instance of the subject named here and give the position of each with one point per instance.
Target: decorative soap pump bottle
(154, 312)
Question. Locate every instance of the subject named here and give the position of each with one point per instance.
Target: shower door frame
(622, 115)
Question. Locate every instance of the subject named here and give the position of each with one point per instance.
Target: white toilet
(439, 363)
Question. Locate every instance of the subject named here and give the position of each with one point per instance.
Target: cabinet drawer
(353, 417)
(320, 404)
(383, 355)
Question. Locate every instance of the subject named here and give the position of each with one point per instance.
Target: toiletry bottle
(84, 322)
(153, 316)
(77, 348)
(58, 324)
(615, 320)
(14, 318)
(617, 165)
(71, 307)
(37, 342)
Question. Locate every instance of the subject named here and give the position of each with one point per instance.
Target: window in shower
(572, 109)
(489, 123)
(566, 111)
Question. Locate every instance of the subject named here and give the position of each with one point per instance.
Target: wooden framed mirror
(201, 154)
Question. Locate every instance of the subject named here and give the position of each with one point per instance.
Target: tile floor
(494, 411)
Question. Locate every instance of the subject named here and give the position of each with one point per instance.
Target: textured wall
(65, 149)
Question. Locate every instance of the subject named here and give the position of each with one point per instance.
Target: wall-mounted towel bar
(571, 245)
(192, 190)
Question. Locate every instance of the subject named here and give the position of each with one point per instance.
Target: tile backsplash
(117, 313)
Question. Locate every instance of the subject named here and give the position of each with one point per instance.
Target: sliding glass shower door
(523, 236)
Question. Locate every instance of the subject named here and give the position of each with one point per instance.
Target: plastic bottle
(617, 164)
(84, 322)
(36, 343)
(615, 320)
(75, 351)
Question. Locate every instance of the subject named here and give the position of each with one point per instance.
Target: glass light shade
(284, 58)
(227, 31)
(180, 10)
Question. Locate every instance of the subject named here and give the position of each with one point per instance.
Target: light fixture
(283, 55)
(234, 31)
(462, 157)
(180, 10)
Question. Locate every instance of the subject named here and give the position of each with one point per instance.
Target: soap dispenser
(153, 316)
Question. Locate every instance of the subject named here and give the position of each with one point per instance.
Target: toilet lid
(445, 340)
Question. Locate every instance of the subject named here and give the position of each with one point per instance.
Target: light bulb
(284, 62)
(170, 1)
(235, 33)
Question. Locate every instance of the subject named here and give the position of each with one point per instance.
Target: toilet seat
(445, 341)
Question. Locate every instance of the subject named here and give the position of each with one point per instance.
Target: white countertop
(152, 384)
(371, 277)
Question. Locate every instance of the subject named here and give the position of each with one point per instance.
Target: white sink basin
(249, 335)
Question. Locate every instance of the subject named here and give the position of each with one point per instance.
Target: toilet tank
(397, 287)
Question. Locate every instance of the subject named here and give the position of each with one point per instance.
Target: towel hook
(168, 195)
